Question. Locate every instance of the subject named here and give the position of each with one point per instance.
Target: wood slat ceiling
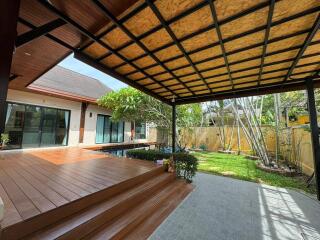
(36, 57)
(193, 50)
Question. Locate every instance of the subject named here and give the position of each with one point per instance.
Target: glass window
(120, 131)
(107, 125)
(114, 132)
(62, 126)
(108, 131)
(100, 129)
(140, 130)
(48, 136)
(34, 126)
(14, 124)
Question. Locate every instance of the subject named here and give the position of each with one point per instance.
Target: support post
(84, 107)
(9, 10)
(314, 133)
(174, 122)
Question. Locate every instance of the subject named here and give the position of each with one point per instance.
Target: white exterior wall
(47, 101)
(75, 109)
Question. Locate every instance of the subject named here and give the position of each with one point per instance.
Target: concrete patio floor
(226, 209)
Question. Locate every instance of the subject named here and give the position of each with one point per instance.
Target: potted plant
(4, 140)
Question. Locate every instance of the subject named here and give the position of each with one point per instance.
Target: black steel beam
(239, 51)
(158, 27)
(9, 11)
(217, 27)
(176, 41)
(255, 30)
(245, 69)
(85, 32)
(90, 61)
(138, 42)
(250, 75)
(38, 32)
(291, 85)
(306, 43)
(266, 38)
(174, 130)
(48, 35)
(210, 27)
(313, 115)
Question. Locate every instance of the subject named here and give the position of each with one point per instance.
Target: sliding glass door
(31, 126)
(108, 131)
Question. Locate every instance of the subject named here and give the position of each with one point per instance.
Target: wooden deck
(35, 182)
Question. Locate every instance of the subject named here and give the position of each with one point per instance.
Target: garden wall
(295, 142)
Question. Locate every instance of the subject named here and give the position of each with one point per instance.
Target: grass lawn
(242, 168)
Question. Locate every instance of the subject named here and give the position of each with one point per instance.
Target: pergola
(178, 51)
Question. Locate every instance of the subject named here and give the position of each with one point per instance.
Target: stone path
(225, 209)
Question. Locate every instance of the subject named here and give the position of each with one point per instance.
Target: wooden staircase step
(150, 224)
(57, 215)
(87, 220)
(126, 223)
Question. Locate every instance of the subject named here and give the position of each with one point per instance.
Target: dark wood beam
(38, 32)
(84, 106)
(314, 133)
(9, 10)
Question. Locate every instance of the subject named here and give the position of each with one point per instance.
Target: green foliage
(4, 138)
(203, 147)
(150, 155)
(240, 167)
(293, 101)
(185, 164)
(130, 104)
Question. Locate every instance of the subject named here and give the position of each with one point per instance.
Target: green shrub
(203, 147)
(186, 164)
(150, 155)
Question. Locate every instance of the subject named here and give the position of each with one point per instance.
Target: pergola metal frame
(165, 25)
(288, 83)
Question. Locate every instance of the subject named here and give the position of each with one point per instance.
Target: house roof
(64, 82)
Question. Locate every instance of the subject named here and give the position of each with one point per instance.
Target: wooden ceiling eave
(38, 55)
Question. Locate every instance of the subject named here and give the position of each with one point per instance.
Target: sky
(75, 65)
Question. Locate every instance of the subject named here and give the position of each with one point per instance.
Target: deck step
(89, 219)
(60, 214)
(150, 224)
(142, 220)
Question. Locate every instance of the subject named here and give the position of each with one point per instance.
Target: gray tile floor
(226, 209)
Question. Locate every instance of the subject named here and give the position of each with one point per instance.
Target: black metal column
(9, 10)
(174, 122)
(314, 133)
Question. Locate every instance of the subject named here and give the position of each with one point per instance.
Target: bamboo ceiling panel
(195, 50)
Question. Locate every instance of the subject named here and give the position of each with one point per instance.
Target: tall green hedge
(186, 164)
